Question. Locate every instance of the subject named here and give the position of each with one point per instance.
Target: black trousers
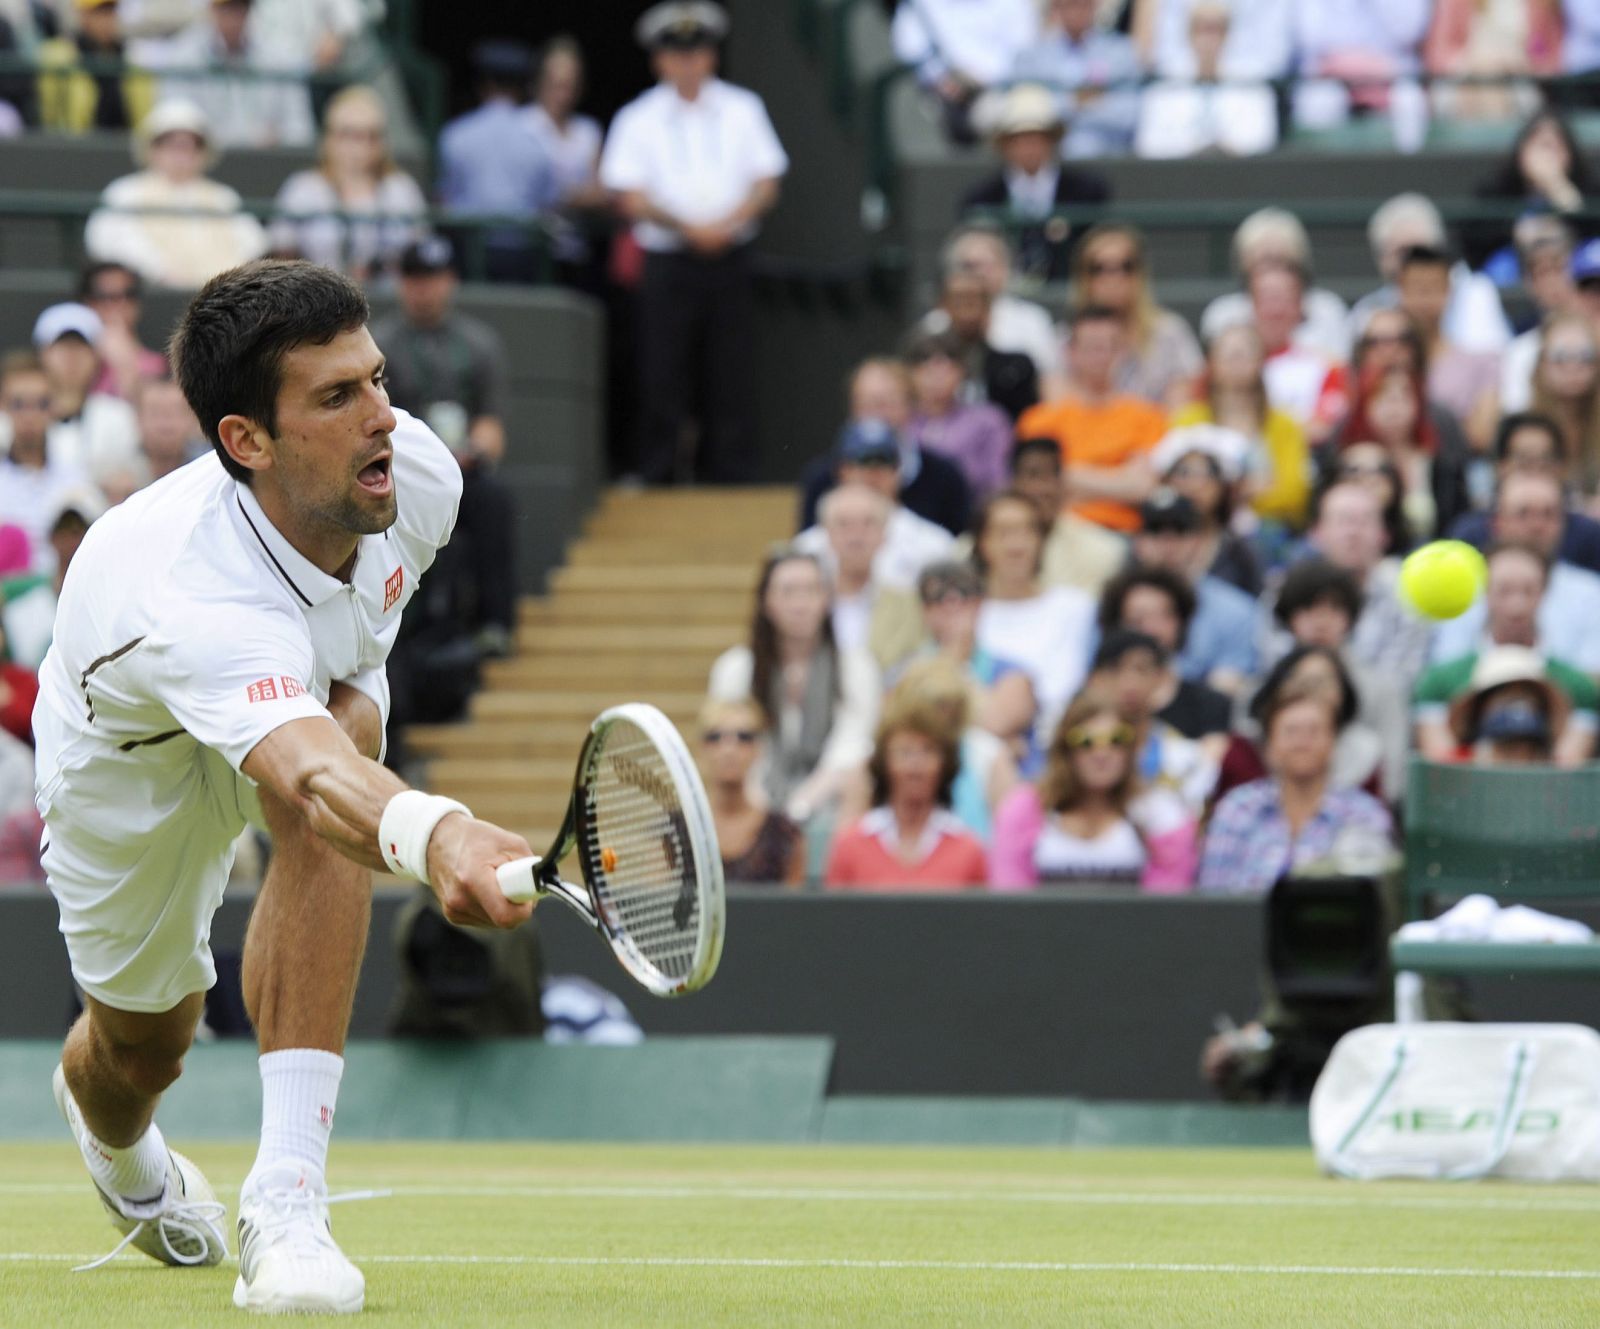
(696, 353)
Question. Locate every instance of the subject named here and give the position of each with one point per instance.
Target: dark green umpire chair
(1522, 834)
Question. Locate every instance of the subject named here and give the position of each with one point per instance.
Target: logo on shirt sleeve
(392, 587)
(282, 688)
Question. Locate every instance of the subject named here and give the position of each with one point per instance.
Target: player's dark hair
(1316, 581)
(229, 347)
(1172, 585)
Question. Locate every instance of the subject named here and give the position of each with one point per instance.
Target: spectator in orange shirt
(1105, 436)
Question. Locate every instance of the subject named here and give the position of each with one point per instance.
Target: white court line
(935, 1266)
(1455, 1202)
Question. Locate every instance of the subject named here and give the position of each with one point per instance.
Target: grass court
(556, 1235)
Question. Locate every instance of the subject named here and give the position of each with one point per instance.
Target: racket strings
(637, 852)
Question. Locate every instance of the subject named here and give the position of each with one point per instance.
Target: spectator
(911, 840)
(821, 702)
(1528, 441)
(1206, 464)
(1135, 671)
(1358, 57)
(1233, 395)
(1545, 171)
(33, 482)
(1529, 510)
(1159, 604)
(1580, 48)
(1027, 125)
(492, 166)
(880, 398)
(695, 165)
(976, 436)
(1391, 409)
(314, 35)
(760, 847)
(1015, 325)
(448, 369)
(1518, 576)
(1045, 630)
(241, 76)
(168, 222)
(1513, 712)
(91, 431)
(1301, 381)
(960, 47)
(1097, 67)
(169, 435)
(1275, 237)
(19, 689)
(1218, 647)
(1007, 379)
(1373, 466)
(1200, 112)
(1259, 44)
(1462, 382)
(1077, 553)
(357, 209)
(1162, 358)
(571, 143)
(1473, 319)
(1566, 387)
(1296, 819)
(1104, 435)
(1347, 530)
(77, 92)
(1470, 40)
(1089, 819)
(1319, 605)
(1550, 272)
(114, 292)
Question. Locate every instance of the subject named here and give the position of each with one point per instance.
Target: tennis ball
(1442, 579)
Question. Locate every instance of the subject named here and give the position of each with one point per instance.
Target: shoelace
(282, 1206)
(196, 1220)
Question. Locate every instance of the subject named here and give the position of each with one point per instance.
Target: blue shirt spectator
(1074, 53)
(1222, 636)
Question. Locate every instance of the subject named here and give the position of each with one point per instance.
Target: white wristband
(406, 827)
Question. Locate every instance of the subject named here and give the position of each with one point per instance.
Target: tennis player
(219, 658)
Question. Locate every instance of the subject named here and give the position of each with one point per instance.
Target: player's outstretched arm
(312, 765)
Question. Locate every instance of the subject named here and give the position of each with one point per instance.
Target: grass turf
(511, 1234)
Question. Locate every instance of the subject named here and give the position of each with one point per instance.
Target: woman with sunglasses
(1110, 271)
(759, 845)
(1295, 817)
(1088, 820)
(1566, 387)
(910, 840)
(355, 175)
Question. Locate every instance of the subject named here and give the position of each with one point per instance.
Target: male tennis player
(219, 656)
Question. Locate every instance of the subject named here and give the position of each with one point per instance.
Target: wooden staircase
(659, 584)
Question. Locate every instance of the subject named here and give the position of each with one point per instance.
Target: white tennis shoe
(288, 1259)
(183, 1226)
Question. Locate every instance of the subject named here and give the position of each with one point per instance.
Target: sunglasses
(27, 403)
(1126, 268)
(743, 737)
(1082, 740)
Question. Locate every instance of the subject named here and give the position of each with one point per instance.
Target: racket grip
(517, 881)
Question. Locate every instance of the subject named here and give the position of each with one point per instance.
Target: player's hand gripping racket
(652, 872)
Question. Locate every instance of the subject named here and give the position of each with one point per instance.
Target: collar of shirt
(707, 102)
(311, 585)
(880, 823)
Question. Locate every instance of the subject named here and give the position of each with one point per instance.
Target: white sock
(136, 1174)
(299, 1090)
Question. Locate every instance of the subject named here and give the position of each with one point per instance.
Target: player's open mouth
(374, 476)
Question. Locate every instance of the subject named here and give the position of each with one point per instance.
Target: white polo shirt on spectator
(188, 630)
(696, 160)
(29, 498)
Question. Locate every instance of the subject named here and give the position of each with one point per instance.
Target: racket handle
(517, 880)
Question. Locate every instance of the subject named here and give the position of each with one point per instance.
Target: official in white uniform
(219, 657)
(694, 163)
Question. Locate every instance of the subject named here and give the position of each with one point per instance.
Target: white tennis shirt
(189, 629)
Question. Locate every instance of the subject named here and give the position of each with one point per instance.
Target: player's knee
(148, 1069)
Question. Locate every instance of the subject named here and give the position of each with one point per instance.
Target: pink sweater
(1172, 849)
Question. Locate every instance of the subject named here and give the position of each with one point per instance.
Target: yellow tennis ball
(1442, 579)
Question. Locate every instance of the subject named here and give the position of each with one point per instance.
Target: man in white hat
(139, 224)
(694, 164)
(1026, 124)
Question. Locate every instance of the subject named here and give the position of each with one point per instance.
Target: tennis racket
(652, 872)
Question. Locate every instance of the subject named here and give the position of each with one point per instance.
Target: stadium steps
(656, 587)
